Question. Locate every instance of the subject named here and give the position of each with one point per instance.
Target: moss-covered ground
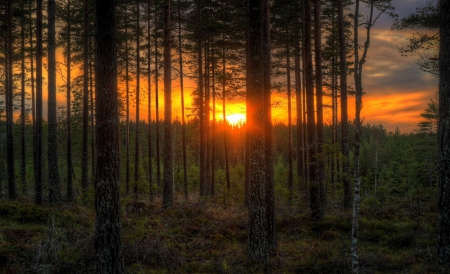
(397, 235)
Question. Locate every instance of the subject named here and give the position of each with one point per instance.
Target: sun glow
(236, 119)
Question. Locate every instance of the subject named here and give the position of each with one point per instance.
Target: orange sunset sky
(396, 90)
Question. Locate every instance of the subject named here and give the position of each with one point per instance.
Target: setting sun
(236, 119)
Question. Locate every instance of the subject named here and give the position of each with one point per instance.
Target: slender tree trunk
(127, 114)
(158, 157)
(298, 97)
(358, 106)
(149, 61)
(183, 128)
(91, 93)
(22, 104)
(108, 246)
(84, 145)
(358, 89)
(168, 143)
(312, 139)
(290, 148)
(206, 121)
(203, 156)
(344, 115)
(138, 79)
(33, 99)
(444, 137)
(225, 124)
(53, 174)
(213, 130)
(38, 141)
(333, 95)
(9, 107)
(319, 211)
(69, 110)
(270, 180)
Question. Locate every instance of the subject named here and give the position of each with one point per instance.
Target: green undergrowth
(212, 237)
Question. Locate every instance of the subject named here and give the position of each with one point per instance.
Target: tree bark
(22, 103)
(108, 244)
(38, 141)
(183, 128)
(84, 144)
(69, 110)
(138, 87)
(311, 127)
(444, 137)
(167, 145)
(10, 107)
(149, 61)
(53, 174)
(344, 114)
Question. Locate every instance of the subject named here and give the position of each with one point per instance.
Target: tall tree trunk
(84, 145)
(258, 238)
(92, 102)
(358, 89)
(333, 95)
(203, 170)
(109, 258)
(270, 180)
(33, 99)
(149, 108)
(158, 157)
(167, 145)
(444, 137)
(10, 108)
(206, 120)
(312, 141)
(213, 130)
(22, 103)
(290, 148)
(358, 106)
(298, 101)
(319, 211)
(225, 124)
(183, 129)
(69, 110)
(344, 115)
(138, 79)
(127, 114)
(38, 141)
(53, 174)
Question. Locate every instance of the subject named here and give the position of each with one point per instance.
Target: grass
(397, 238)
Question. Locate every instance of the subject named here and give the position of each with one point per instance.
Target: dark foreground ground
(397, 235)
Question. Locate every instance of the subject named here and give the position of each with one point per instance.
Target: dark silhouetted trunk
(22, 103)
(149, 108)
(444, 137)
(53, 174)
(290, 148)
(38, 141)
(138, 86)
(158, 157)
(127, 114)
(225, 124)
(84, 145)
(183, 129)
(319, 208)
(108, 244)
(10, 107)
(69, 110)
(344, 115)
(167, 145)
(311, 127)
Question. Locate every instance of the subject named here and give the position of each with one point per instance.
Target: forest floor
(397, 235)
